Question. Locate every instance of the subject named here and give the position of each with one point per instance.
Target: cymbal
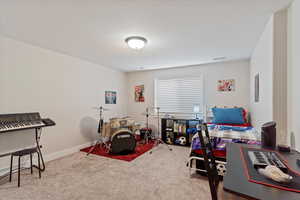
(150, 114)
(154, 108)
(98, 108)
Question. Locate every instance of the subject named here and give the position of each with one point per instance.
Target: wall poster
(139, 93)
(256, 88)
(226, 85)
(110, 97)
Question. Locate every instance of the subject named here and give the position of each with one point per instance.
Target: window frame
(203, 107)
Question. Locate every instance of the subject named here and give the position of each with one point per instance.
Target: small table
(235, 180)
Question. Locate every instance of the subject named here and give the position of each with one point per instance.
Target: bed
(222, 134)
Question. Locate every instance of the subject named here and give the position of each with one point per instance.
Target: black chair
(209, 160)
(21, 153)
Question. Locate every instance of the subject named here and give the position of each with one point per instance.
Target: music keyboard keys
(20, 121)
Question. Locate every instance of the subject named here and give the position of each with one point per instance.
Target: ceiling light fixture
(136, 42)
(219, 58)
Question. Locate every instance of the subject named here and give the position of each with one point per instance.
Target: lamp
(196, 110)
(136, 42)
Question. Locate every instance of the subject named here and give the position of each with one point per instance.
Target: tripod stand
(158, 140)
(147, 132)
(100, 141)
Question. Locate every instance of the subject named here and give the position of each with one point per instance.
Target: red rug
(139, 150)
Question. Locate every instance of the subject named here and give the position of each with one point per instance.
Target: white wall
(280, 66)
(262, 63)
(293, 74)
(238, 70)
(58, 86)
(269, 60)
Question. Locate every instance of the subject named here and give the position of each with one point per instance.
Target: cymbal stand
(147, 135)
(158, 140)
(100, 141)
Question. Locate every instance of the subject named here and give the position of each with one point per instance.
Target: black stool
(21, 153)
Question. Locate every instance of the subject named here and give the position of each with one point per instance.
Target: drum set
(115, 136)
(118, 136)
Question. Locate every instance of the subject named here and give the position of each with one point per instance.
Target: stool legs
(11, 165)
(31, 163)
(19, 171)
(39, 164)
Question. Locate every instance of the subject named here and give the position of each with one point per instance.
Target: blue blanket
(229, 128)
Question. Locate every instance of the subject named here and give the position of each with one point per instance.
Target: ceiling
(179, 32)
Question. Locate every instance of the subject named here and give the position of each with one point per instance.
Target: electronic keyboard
(22, 121)
(261, 159)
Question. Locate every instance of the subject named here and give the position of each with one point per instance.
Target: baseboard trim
(65, 152)
(4, 171)
(50, 157)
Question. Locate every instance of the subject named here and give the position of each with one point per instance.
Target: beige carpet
(161, 175)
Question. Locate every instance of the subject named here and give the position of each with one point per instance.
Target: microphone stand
(147, 135)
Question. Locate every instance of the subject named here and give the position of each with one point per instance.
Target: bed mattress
(223, 134)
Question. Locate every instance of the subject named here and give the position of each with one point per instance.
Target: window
(179, 95)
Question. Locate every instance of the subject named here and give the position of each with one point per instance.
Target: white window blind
(179, 95)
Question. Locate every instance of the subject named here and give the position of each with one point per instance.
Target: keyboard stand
(25, 121)
(38, 132)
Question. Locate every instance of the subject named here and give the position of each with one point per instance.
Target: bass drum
(122, 142)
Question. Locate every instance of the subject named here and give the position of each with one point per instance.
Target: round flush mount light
(136, 42)
(219, 58)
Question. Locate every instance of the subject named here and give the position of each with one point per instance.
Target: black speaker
(268, 135)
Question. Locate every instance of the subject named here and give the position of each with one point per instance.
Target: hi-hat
(145, 113)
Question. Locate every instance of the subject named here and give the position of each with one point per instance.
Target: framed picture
(139, 93)
(110, 97)
(256, 88)
(226, 85)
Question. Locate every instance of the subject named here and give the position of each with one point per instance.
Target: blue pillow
(228, 115)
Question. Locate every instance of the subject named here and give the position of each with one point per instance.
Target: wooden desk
(235, 180)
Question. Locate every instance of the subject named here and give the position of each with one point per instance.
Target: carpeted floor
(160, 175)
